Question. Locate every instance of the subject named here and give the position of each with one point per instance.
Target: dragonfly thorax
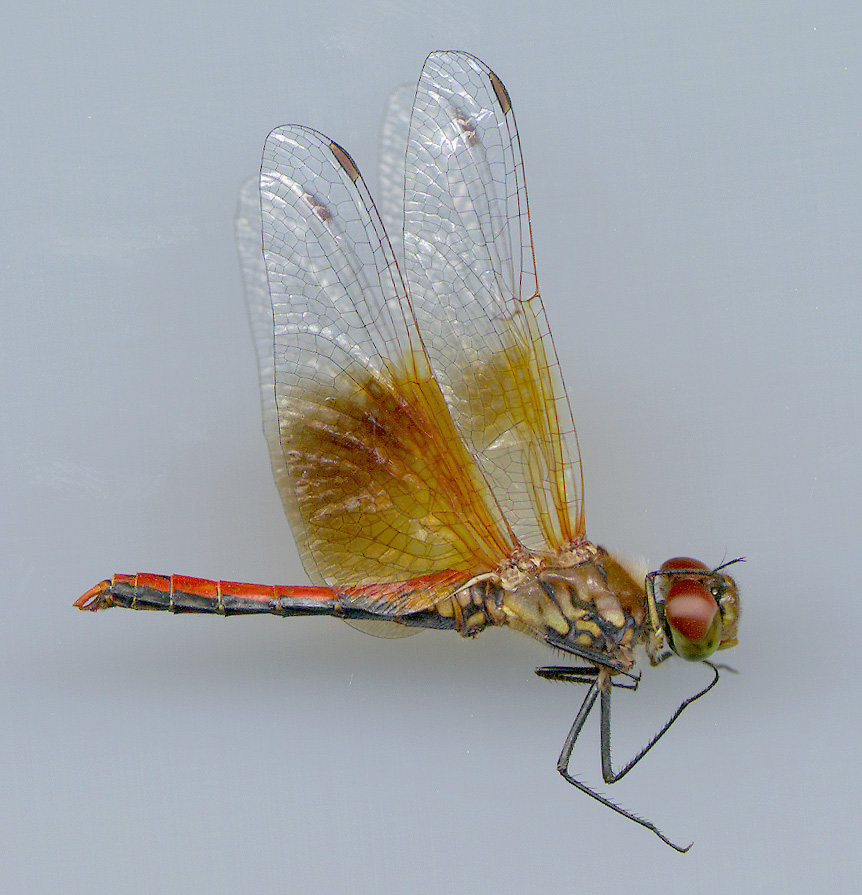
(585, 598)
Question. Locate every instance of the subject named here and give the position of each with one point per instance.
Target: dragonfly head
(699, 607)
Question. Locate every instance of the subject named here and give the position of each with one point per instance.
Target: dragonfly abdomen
(473, 608)
(181, 593)
(468, 610)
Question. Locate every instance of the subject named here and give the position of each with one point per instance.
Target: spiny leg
(601, 684)
(571, 675)
(608, 773)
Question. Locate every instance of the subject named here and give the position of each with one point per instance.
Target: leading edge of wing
(377, 484)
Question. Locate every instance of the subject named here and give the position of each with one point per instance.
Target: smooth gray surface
(695, 191)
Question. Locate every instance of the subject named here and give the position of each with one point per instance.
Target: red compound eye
(690, 608)
(683, 562)
(691, 612)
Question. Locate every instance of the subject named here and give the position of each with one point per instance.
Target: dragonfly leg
(601, 684)
(568, 674)
(608, 773)
(573, 675)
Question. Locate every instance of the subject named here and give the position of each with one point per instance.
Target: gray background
(695, 183)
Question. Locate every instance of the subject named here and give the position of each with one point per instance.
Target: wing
(471, 273)
(375, 481)
(390, 172)
(249, 242)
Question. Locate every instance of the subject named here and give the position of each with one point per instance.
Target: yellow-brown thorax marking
(585, 597)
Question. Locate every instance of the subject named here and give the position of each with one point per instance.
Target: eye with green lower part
(692, 615)
(693, 619)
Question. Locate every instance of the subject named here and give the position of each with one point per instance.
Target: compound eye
(693, 619)
(683, 562)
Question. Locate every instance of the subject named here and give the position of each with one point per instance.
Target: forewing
(249, 241)
(471, 272)
(377, 485)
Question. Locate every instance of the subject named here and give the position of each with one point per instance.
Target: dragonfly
(419, 429)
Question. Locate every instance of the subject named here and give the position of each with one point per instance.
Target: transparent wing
(376, 483)
(249, 242)
(471, 272)
(390, 173)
